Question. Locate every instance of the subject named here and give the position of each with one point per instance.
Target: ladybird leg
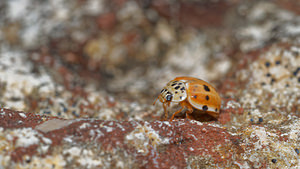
(178, 111)
(174, 114)
(189, 111)
(155, 100)
(165, 105)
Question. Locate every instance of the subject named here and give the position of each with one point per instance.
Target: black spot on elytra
(176, 92)
(268, 74)
(195, 96)
(177, 87)
(207, 97)
(179, 83)
(173, 84)
(206, 88)
(182, 88)
(267, 64)
(204, 108)
(162, 90)
(180, 97)
(278, 62)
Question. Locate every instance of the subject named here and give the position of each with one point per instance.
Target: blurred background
(109, 59)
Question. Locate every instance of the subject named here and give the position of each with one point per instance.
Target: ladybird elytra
(191, 93)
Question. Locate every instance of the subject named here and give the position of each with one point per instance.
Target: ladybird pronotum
(191, 93)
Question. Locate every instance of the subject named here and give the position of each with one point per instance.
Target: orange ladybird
(190, 93)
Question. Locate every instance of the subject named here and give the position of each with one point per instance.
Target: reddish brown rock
(155, 144)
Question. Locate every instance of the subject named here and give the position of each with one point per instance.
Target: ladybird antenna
(155, 100)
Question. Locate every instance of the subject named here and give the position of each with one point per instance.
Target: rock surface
(78, 79)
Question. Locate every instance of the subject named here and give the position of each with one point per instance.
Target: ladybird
(191, 93)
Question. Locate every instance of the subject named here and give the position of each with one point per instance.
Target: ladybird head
(165, 95)
(174, 91)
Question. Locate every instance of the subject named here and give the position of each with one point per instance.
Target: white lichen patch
(196, 122)
(274, 80)
(25, 137)
(26, 12)
(256, 112)
(17, 79)
(72, 152)
(84, 125)
(81, 107)
(68, 139)
(5, 160)
(84, 157)
(95, 134)
(215, 125)
(48, 162)
(266, 21)
(144, 138)
(107, 128)
(12, 139)
(243, 165)
(258, 34)
(106, 114)
(294, 130)
(89, 159)
(262, 135)
(191, 56)
(268, 144)
(232, 104)
(6, 145)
